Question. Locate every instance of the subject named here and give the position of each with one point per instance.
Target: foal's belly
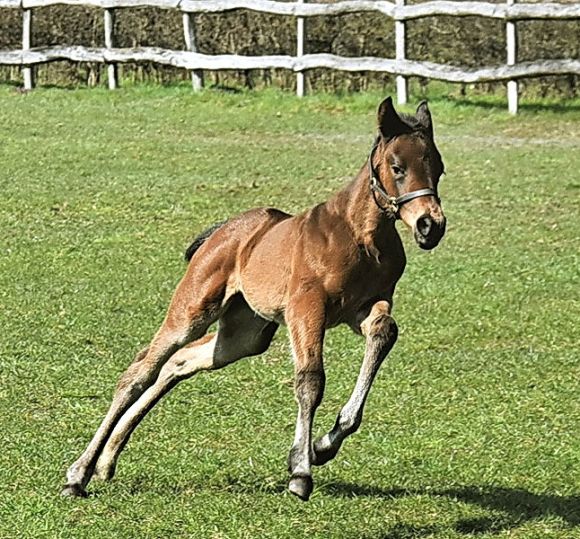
(266, 297)
(265, 271)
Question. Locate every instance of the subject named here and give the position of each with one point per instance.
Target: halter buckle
(392, 202)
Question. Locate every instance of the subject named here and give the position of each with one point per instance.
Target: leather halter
(394, 203)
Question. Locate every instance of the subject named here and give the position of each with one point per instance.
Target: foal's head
(405, 161)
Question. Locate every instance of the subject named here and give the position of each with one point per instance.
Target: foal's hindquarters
(181, 348)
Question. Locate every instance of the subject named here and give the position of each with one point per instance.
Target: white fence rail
(195, 61)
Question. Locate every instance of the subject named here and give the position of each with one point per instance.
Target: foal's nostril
(424, 225)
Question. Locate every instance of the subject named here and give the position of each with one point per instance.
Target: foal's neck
(372, 228)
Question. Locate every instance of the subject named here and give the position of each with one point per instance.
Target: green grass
(472, 427)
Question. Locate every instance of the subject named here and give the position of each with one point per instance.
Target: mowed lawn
(473, 426)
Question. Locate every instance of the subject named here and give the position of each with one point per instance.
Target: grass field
(472, 428)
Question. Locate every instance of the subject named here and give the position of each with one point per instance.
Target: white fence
(192, 60)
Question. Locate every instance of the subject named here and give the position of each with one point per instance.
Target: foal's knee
(385, 330)
(309, 387)
(380, 327)
(140, 374)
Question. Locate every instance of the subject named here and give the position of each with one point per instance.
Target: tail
(199, 241)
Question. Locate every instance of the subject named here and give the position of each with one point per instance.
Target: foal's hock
(337, 263)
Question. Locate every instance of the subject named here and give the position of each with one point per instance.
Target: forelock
(412, 122)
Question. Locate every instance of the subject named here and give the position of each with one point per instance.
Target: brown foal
(336, 263)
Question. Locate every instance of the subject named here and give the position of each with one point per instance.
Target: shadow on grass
(512, 507)
(518, 506)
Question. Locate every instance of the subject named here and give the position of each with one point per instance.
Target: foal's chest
(361, 284)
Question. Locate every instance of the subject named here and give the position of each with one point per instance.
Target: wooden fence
(402, 67)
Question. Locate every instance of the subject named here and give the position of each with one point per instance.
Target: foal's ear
(423, 115)
(390, 123)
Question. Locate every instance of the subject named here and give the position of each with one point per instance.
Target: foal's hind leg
(381, 334)
(241, 333)
(187, 319)
(192, 357)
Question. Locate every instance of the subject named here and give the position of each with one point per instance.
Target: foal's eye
(397, 171)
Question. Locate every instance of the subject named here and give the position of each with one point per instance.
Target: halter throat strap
(393, 203)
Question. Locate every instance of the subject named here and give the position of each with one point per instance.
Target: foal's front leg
(305, 319)
(381, 333)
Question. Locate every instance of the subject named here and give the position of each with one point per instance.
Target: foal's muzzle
(429, 231)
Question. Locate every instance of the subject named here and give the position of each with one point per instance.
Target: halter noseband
(395, 203)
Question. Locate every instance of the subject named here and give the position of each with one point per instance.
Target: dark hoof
(73, 491)
(301, 486)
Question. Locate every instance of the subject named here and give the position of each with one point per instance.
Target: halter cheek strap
(394, 203)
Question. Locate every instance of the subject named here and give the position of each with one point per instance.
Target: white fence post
(512, 51)
(109, 44)
(189, 34)
(27, 72)
(300, 52)
(400, 54)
